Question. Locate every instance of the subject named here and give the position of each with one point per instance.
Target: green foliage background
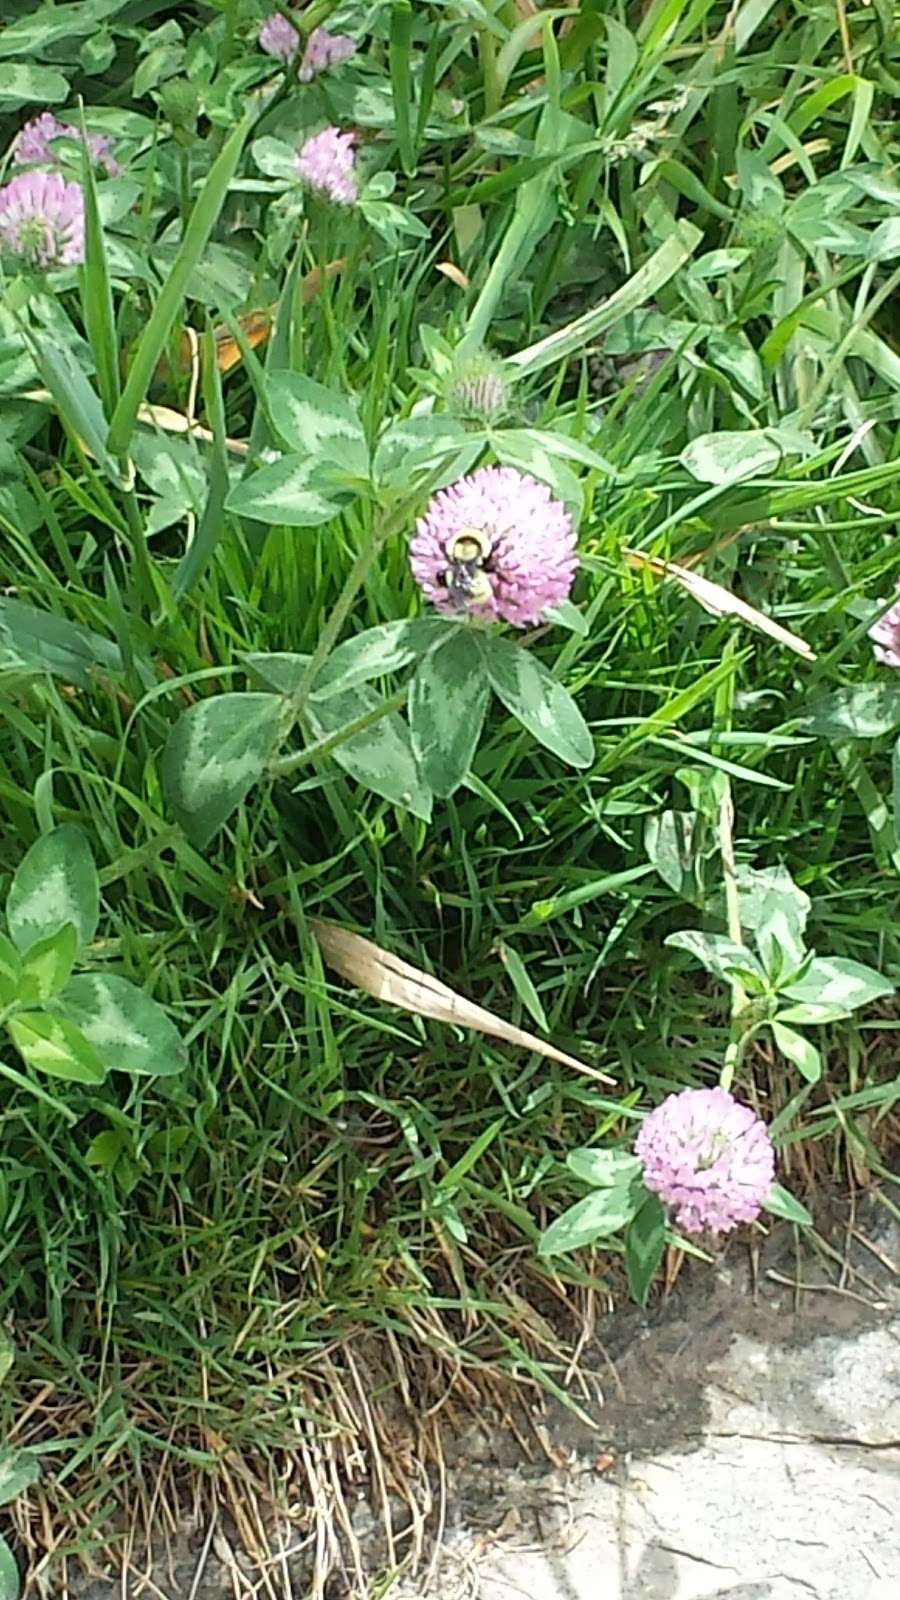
(192, 1261)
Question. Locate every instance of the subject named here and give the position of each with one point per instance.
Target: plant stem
(184, 175)
(356, 577)
(726, 846)
(735, 933)
(831, 560)
(226, 51)
(878, 817)
(487, 49)
(503, 268)
(844, 348)
(22, 1082)
(284, 765)
(143, 567)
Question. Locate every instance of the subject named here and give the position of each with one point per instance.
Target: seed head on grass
(325, 162)
(34, 145)
(885, 636)
(709, 1157)
(526, 562)
(42, 219)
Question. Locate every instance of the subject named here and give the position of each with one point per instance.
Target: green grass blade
(670, 712)
(77, 401)
(212, 523)
(640, 287)
(96, 291)
(196, 236)
(521, 40)
(426, 89)
(401, 81)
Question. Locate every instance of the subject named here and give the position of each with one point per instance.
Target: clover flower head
(708, 1157)
(34, 145)
(101, 154)
(495, 545)
(885, 636)
(325, 162)
(278, 37)
(42, 219)
(759, 229)
(477, 389)
(323, 50)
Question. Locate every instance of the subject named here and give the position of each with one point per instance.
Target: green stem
(184, 175)
(354, 581)
(311, 19)
(878, 817)
(823, 387)
(734, 1054)
(503, 268)
(284, 765)
(356, 577)
(226, 51)
(487, 49)
(227, 48)
(831, 560)
(731, 1063)
(143, 567)
(735, 934)
(22, 1082)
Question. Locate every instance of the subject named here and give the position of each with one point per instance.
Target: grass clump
(646, 257)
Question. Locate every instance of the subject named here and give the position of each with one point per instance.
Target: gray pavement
(746, 1452)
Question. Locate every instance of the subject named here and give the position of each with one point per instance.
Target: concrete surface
(780, 1479)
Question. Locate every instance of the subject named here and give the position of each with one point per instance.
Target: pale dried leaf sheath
(386, 977)
(175, 422)
(155, 417)
(454, 273)
(719, 600)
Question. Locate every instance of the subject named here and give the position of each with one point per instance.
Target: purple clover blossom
(101, 154)
(325, 162)
(528, 559)
(34, 145)
(885, 636)
(278, 37)
(42, 219)
(323, 50)
(709, 1157)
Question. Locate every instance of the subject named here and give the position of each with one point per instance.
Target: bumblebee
(465, 579)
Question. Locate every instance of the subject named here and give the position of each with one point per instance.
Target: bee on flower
(497, 546)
